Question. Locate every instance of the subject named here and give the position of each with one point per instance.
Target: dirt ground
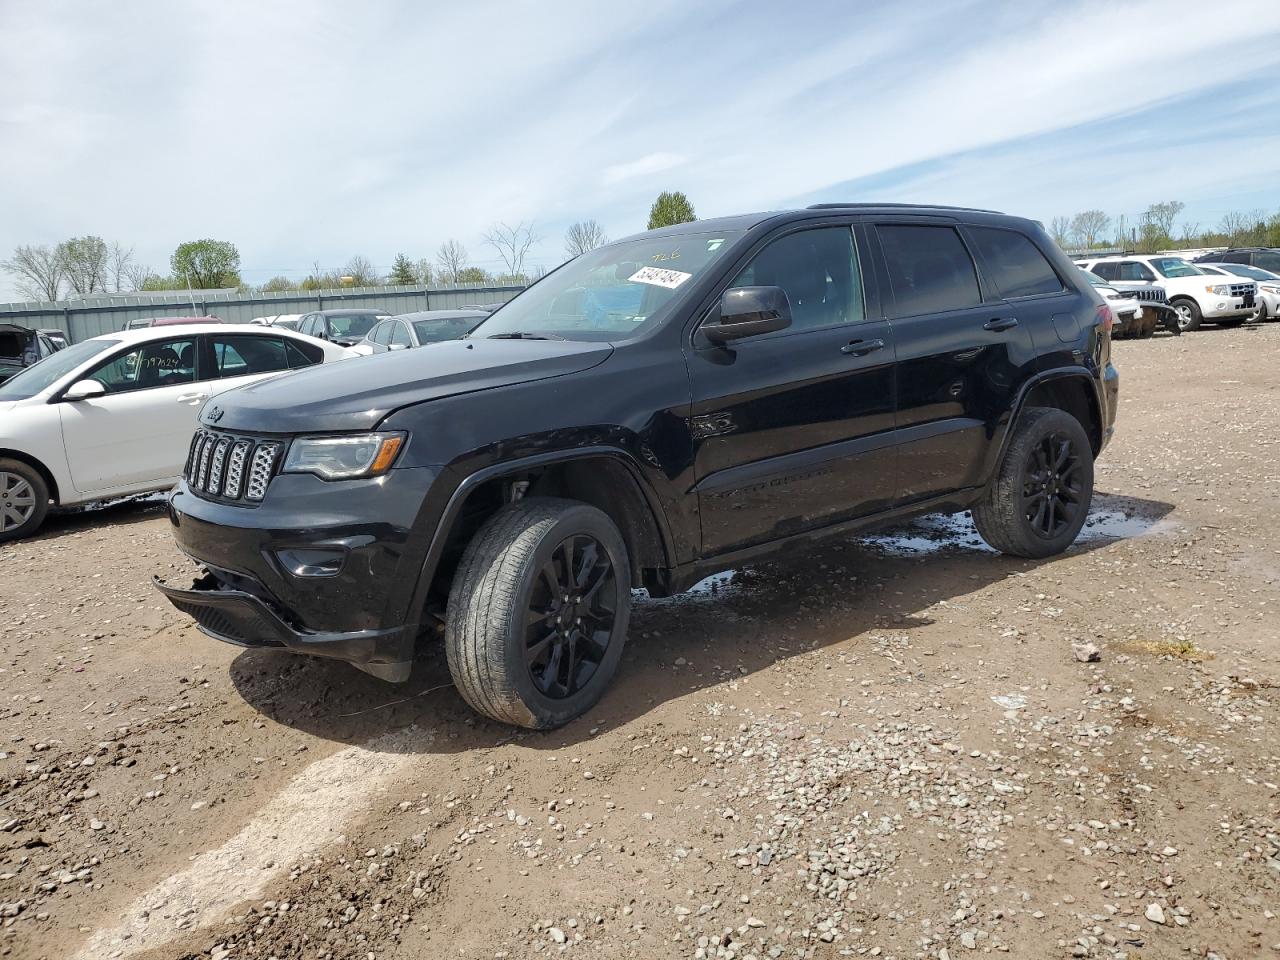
(885, 747)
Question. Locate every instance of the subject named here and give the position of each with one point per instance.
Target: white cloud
(644, 166)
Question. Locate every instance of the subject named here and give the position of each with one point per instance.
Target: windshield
(51, 369)
(1175, 267)
(433, 331)
(354, 324)
(610, 293)
(1244, 270)
(1094, 279)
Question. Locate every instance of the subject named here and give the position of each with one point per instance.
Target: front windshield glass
(611, 293)
(51, 369)
(354, 325)
(1175, 267)
(1244, 270)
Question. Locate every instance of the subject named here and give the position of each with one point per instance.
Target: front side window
(818, 271)
(612, 293)
(399, 335)
(1133, 271)
(1175, 267)
(930, 269)
(165, 363)
(244, 355)
(380, 333)
(1017, 267)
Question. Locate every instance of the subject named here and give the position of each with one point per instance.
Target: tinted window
(166, 363)
(240, 356)
(302, 354)
(929, 269)
(1233, 258)
(352, 324)
(1018, 268)
(434, 331)
(380, 333)
(819, 272)
(399, 335)
(1131, 270)
(1107, 271)
(1267, 260)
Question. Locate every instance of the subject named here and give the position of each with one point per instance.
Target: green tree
(206, 264)
(84, 261)
(402, 272)
(472, 275)
(157, 282)
(670, 208)
(279, 285)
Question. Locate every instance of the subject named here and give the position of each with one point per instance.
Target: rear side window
(929, 269)
(1017, 267)
(819, 273)
(1267, 260)
(1107, 271)
(241, 356)
(1132, 271)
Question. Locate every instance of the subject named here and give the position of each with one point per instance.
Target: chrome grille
(1242, 289)
(229, 467)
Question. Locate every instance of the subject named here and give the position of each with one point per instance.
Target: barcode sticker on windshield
(659, 277)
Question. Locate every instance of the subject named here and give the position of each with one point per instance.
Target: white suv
(1195, 294)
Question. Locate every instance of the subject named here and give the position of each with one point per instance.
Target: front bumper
(1229, 308)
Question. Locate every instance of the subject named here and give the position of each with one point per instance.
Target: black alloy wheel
(1052, 491)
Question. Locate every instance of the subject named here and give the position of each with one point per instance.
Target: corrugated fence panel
(94, 316)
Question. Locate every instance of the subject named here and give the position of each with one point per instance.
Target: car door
(138, 431)
(960, 355)
(791, 429)
(236, 359)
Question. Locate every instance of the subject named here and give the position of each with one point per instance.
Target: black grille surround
(232, 468)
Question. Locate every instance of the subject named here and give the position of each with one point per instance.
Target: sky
(309, 132)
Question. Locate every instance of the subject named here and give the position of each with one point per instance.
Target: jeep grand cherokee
(654, 411)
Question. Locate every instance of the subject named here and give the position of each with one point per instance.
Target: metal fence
(93, 316)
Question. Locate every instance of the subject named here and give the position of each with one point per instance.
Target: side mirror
(397, 346)
(749, 311)
(83, 390)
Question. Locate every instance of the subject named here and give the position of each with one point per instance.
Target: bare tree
(512, 244)
(1122, 232)
(452, 257)
(137, 275)
(1060, 230)
(1190, 234)
(1162, 215)
(38, 272)
(362, 272)
(1088, 225)
(583, 236)
(118, 260)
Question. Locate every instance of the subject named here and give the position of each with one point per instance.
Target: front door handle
(1001, 323)
(860, 348)
(192, 398)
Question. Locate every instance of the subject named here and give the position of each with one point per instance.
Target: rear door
(138, 431)
(792, 430)
(961, 352)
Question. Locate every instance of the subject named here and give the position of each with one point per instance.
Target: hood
(357, 394)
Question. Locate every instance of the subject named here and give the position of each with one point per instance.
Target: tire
(24, 500)
(505, 577)
(1189, 315)
(1007, 516)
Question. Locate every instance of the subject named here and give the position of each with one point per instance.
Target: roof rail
(897, 206)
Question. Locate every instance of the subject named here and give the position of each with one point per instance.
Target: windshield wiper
(517, 335)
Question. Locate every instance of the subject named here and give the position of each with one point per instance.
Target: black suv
(1265, 258)
(654, 411)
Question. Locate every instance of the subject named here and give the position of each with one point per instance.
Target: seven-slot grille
(232, 468)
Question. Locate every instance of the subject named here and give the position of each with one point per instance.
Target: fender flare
(1020, 403)
(473, 480)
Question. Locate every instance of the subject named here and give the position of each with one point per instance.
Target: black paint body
(736, 449)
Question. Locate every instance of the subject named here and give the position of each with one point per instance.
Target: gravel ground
(901, 746)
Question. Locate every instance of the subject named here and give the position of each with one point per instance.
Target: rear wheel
(538, 612)
(1189, 316)
(1040, 496)
(24, 499)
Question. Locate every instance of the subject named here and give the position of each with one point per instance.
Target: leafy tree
(1162, 215)
(583, 236)
(424, 272)
(472, 275)
(1088, 226)
(206, 264)
(279, 285)
(402, 272)
(38, 271)
(452, 257)
(670, 208)
(84, 259)
(157, 282)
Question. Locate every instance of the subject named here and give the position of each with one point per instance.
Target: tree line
(83, 266)
(1158, 228)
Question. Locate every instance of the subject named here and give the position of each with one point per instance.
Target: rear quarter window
(1016, 265)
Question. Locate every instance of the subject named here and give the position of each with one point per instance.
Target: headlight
(343, 458)
(1221, 290)
(1271, 289)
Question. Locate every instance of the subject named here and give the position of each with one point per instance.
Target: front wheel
(538, 612)
(1040, 496)
(24, 499)
(1189, 315)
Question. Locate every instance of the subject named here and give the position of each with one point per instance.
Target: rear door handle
(192, 398)
(1001, 323)
(860, 348)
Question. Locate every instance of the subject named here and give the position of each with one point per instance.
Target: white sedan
(113, 416)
